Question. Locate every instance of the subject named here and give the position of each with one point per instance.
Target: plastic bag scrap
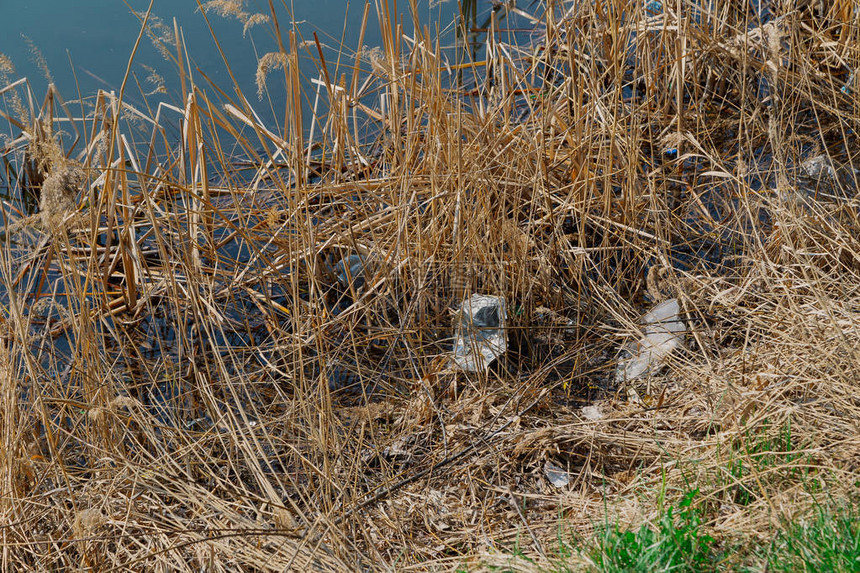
(351, 271)
(818, 167)
(663, 333)
(480, 335)
(556, 475)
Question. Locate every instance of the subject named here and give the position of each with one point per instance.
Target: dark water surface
(83, 46)
(87, 43)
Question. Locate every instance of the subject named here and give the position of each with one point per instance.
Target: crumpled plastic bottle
(480, 333)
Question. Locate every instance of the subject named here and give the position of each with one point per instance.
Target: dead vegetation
(191, 379)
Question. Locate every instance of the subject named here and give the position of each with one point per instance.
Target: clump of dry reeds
(208, 389)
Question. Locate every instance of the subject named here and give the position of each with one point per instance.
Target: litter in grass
(481, 336)
(818, 167)
(592, 413)
(663, 333)
(556, 475)
(351, 271)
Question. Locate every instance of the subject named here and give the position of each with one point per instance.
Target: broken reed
(171, 336)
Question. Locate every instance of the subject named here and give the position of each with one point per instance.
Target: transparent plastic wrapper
(351, 271)
(818, 167)
(556, 475)
(481, 335)
(663, 333)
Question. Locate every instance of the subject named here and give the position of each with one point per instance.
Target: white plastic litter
(592, 413)
(480, 335)
(818, 167)
(663, 333)
(556, 475)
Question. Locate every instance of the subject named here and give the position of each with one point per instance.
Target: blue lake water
(86, 44)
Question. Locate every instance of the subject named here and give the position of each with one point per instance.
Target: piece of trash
(480, 332)
(556, 475)
(663, 332)
(818, 167)
(399, 452)
(653, 7)
(350, 271)
(592, 413)
(848, 87)
(671, 142)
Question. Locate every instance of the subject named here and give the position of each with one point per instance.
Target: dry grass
(186, 385)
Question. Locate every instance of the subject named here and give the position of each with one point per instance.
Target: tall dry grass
(187, 384)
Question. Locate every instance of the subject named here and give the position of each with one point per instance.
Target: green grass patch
(829, 540)
(674, 543)
(761, 457)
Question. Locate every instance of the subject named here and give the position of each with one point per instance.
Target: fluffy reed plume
(156, 80)
(60, 179)
(58, 193)
(38, 59)
(6, 67)
(241, 357)
(268, 63)
(7, 72)
(159, 34)
(235, 9)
